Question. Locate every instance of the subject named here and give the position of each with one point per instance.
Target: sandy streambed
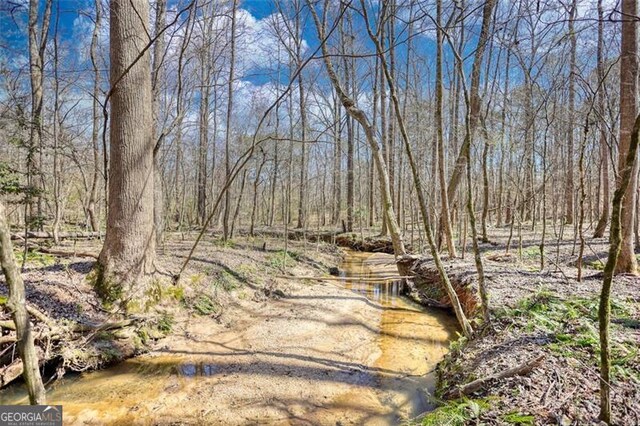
(329, 353)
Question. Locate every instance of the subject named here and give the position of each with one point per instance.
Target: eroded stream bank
(350, 353)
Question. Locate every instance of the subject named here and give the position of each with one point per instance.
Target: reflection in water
(412, 339)
(409, 343)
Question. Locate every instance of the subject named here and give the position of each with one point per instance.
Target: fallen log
(14, 370)
(84, 328)
(520, 370)
(63, 235)
(358, 279)
(64, 253)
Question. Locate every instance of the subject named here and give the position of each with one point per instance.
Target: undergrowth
(572, 328)
(456, 413)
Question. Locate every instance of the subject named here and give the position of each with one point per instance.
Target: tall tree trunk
(453, 297)
(93, 194)
(302, 198)
(604, 148)
(38, 32)
(256, 183)
(158, 131)
(17, 305)
(442, 176)
(129, 247)
(474, 95)
(203, 140)
(626, 261)
(569, 187)
(227, 132)
(337, 162)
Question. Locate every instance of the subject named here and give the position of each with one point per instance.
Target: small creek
(410, 341)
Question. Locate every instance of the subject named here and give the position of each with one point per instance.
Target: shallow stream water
(410, 341)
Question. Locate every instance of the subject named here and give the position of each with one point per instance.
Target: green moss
(226, 281)
(196, 278)
(220, 242)
(516, 418)
(165, 323)
(456, 413)
(281, 258)
(204, 305)
(110, 354)
(596, 264)
(109, 290)
(175, 292)
(572, 326)
(35, 257)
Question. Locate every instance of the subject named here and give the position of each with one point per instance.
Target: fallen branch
(10, 325)
(64, 253)
(358, 279)
(520, 370)
(14, 370)
(83, 328)
(7, 339)
(46, 235)
(34, 312)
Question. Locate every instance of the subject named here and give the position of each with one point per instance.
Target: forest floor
(547, 314)
(242, 344)
(234, 319)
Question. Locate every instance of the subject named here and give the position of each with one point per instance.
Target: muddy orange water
(351, 352)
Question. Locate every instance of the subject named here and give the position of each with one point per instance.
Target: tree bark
(38, 33)
(17, 304)
(453, 297)
(569, 186)
(604, 148)
(442, 177)
(129, 248)
(628, 110)
(474, 96)
(227, 134)
(604, 310)
(158, 131)
(93, 194)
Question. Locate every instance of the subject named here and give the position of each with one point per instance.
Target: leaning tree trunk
(474, 96)
(360, 116)
(446, 282)
(129, 248)
(604, 311)
(17, 304)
